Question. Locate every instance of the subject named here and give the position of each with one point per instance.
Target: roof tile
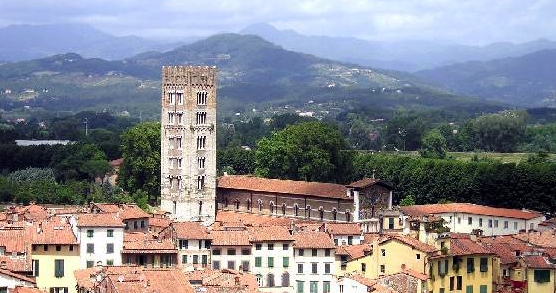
(422, 210)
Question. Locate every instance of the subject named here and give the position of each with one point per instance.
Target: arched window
(296, 208)
(272, 207)
(308, 212)
(260, 203)
(260, 279)
(321, 213)
(248, 204)
(283, 209)
(236, 202)
(270, 280)
(334, 214)
(285, 279)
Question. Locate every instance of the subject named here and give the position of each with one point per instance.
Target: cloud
(468, 21)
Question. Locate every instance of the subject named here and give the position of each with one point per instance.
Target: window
(110, 248)
(334, 214)
(285, 279)
(231, 264)
(314, 252)
(515, 225)
(484, 264)
(301, 252)
(58, 247)
(71, 248)
(313, 286)
(245, 251)
(285, 246)
(327, 252)
(350, 240)
(58, 268)
(314, 267)
(200, 181)
(35, 265)
(505, 224)
(363, 267)
(201, 162)
(480, 222)
(299, 285)
(327, 268)
(90, 264)
(391, 223)
(382, 269)
(300, 268)
(109, 233)
(170, 118)
(452, 283)
(90, 233)
(90, 248)
(184, 259)
(285, 261)
(459, 220)
(495, 223)
(215, 265)
(469, 221)
(109, 262)
(383, 252)
(59, 290)
(469, 289)
(270, 262)
(245, 265)
(541, 276)
(483, 288)
(326, 287)
(201, 142)
(258, 261)
(135, 226)
(490, 223)
(201, 117)
(231, 251)
(259, 279)
(270, 280)
(202, 98)
(258, 246)
(178, 142)
(195, 259)
(270, 246)
(184, 244)
(442, 267)
(171, 98)
(418, 256)
(470, 264)
(441, 290)
(459, 282)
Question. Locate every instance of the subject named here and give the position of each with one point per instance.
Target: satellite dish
(120, 278)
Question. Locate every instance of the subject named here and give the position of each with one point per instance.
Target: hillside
(527, 81)
(253, 73)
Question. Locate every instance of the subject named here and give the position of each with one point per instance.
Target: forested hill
(252, 72)
(527, 81)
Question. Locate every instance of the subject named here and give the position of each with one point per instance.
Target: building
(142, 249)
(100, 238)
(231, 249)
(314, 261)
(10, 280)
(478, 219)
(193, 242)
(344, 233)
(188, 143)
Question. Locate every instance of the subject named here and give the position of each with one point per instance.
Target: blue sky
(474, 22)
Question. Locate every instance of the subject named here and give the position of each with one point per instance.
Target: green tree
(433, 145)
(310, 151)
(140, 169)
(79, 161)
(499, 132)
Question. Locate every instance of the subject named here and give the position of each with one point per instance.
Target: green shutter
(483, 288)
(258, 261)
(469, 289)
(286, 261)
(270, 262)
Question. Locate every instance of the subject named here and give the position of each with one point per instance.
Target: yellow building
(539, 272)
(55, 255)
(463, 266)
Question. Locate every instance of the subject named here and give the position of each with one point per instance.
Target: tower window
(201, 162)
(170, 118)
(201, 142)
(171, 98)
(179, 97)
(201, 117)
(200, 182)
(202, 98)
(178, 142)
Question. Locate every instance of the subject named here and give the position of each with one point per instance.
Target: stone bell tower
(188, 143)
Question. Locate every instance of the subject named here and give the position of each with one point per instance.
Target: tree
(433, 145)
(140, 169)
(499, 132)
(79, 161)
(310, 151)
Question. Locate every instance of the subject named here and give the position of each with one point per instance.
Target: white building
(188, 143)
(273, 258)
(10, 280)
(345, 233)
(193, 243)
(469, 218)
(231, 250)
(100, 238)
(314, 263)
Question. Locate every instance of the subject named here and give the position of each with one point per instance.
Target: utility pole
(86, 126)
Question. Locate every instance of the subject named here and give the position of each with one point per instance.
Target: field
(468, 156)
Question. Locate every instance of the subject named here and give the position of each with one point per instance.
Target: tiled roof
(462, 246)
(537, 262)
(422, 210)
(20, 289)
(151, 280)
(366, 182)
(107, 207)
(277, 233)
(16, 264)
(15, 240)
(415, 274)
(343, 228)
(99, 220)
(354, 251)
(125, 211)
(312, 240)
(17, 276)
(362, 280)
(159, 222)
(55, 231)
(543, 239)
(412, 242)
(229, 281)
(190, 230)
(316, 189)
(230, 238)
(138, 242)
(505, 247)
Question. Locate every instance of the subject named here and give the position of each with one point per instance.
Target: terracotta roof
(132, 211)
(230, 238)
(343, 228)
(505, 247)
(412, 242)
(362, 280)
(422, 210)
(17, 276)
(366, 182)
(316, 189)
(462, 246)
(415, 274)
(544, 239)
(138, 242)
(190, 230)
(159, 222)
(30, 212)
(229, 281)
(312, 240)
(55, 231)
(106, 207)
(354, 251)
(17, 264)
(537, 262)
(99, 220)
(15, 240)
(151, 280)
(20, 289)
(277, 233)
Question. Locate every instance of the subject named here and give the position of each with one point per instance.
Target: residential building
(188, 142)
(231, 249)
(144, 249)
(133, 217)
(344, 233)
(478, 219)
(100, 238)
(54, 255)
(192, 241)
(538, 272)
(10, 280)
(314, 263)
(272, 258)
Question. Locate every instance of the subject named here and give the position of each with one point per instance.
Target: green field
(468, 156)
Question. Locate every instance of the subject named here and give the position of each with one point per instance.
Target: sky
(471, 22)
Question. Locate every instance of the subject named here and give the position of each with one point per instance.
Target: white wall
(100, 240)
(307, 276)
(459, 222)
